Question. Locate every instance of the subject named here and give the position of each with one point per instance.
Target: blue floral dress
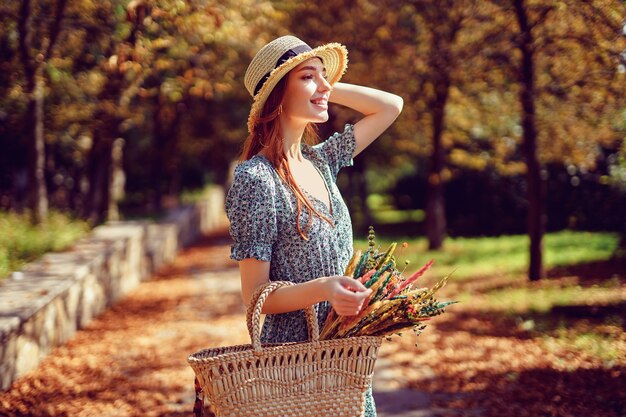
(262, 210)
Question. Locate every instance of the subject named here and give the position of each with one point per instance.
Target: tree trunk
(37, 191)
(356, 196)
(441, 62)
(363, 192)
(116, 180)
(33, 63)
(99, 168)
(536, 186)
(98, 195)
(158, 161)
(435, 203)
(165, 164)
(445, 23)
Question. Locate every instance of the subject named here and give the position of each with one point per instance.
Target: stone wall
(43, 305)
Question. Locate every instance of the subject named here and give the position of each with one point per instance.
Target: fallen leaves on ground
(477, 361)
(131, 361)
(474, 360)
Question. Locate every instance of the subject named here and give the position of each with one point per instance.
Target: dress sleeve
(252, 213)
(338, 149)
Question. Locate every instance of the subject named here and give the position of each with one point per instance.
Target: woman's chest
(311, 181)
(326, 200)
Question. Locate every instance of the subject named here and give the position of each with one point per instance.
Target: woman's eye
(311, 76)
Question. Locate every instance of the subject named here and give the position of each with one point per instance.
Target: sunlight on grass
(570, 248)
(504, 255)
(610, 347)
(541, 300)
(20, 242)
(390, 216)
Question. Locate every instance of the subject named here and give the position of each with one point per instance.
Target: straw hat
(280, 56)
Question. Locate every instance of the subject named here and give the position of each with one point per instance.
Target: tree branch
(542, 16)
(55, 27)
(25, 36)
(599, 14)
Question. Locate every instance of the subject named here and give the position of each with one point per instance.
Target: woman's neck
(292, 138)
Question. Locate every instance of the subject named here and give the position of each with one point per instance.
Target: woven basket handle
(253, 314)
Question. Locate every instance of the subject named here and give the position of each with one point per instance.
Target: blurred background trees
(514, 118)
(123, 72)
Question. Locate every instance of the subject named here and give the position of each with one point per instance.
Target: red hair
(266, 136)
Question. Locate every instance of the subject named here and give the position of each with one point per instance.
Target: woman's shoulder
(337, 151)
(254, 171)
(336, 139)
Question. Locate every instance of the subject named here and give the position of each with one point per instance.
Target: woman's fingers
(354, 290)
(347, 295)
(352, 284)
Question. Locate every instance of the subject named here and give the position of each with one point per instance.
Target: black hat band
(295, 51)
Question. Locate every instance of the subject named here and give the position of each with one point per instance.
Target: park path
(131, 361)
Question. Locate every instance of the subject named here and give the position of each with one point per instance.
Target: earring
(280, 109)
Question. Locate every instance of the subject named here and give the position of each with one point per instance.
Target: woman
(288, 220)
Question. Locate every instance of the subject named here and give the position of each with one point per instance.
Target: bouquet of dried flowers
(394, 303)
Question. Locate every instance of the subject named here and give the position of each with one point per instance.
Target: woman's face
(307, 92)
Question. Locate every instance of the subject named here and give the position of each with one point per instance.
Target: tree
(561, 60)
(156, 57)
(442, 24)
(591, 28)
(36, 47)
(411, 49)
(126, 70)
(536, 187)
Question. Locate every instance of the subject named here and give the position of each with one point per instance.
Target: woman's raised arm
(379, 107)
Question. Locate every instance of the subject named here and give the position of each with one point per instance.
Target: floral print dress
(262, 210)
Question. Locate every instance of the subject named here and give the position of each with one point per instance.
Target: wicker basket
(326, 378)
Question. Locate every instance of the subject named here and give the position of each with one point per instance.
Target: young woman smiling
(287, 217)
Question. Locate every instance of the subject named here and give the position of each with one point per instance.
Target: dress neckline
(328, 208)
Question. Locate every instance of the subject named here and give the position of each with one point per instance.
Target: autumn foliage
(112, 108)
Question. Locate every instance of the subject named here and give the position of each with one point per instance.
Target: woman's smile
(320, 103)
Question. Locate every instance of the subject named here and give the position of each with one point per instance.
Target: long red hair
(266, 137)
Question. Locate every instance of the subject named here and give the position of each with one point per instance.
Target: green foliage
(21, 242)
(391, 216)
(617, 167)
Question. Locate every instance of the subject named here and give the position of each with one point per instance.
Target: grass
(565, 316)
(605, 346)
(535, 309)
(392, 216)
(541, 300)
(503, 255)
(20, 242)
(197, 194)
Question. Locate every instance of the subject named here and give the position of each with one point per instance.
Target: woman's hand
(346, 295)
